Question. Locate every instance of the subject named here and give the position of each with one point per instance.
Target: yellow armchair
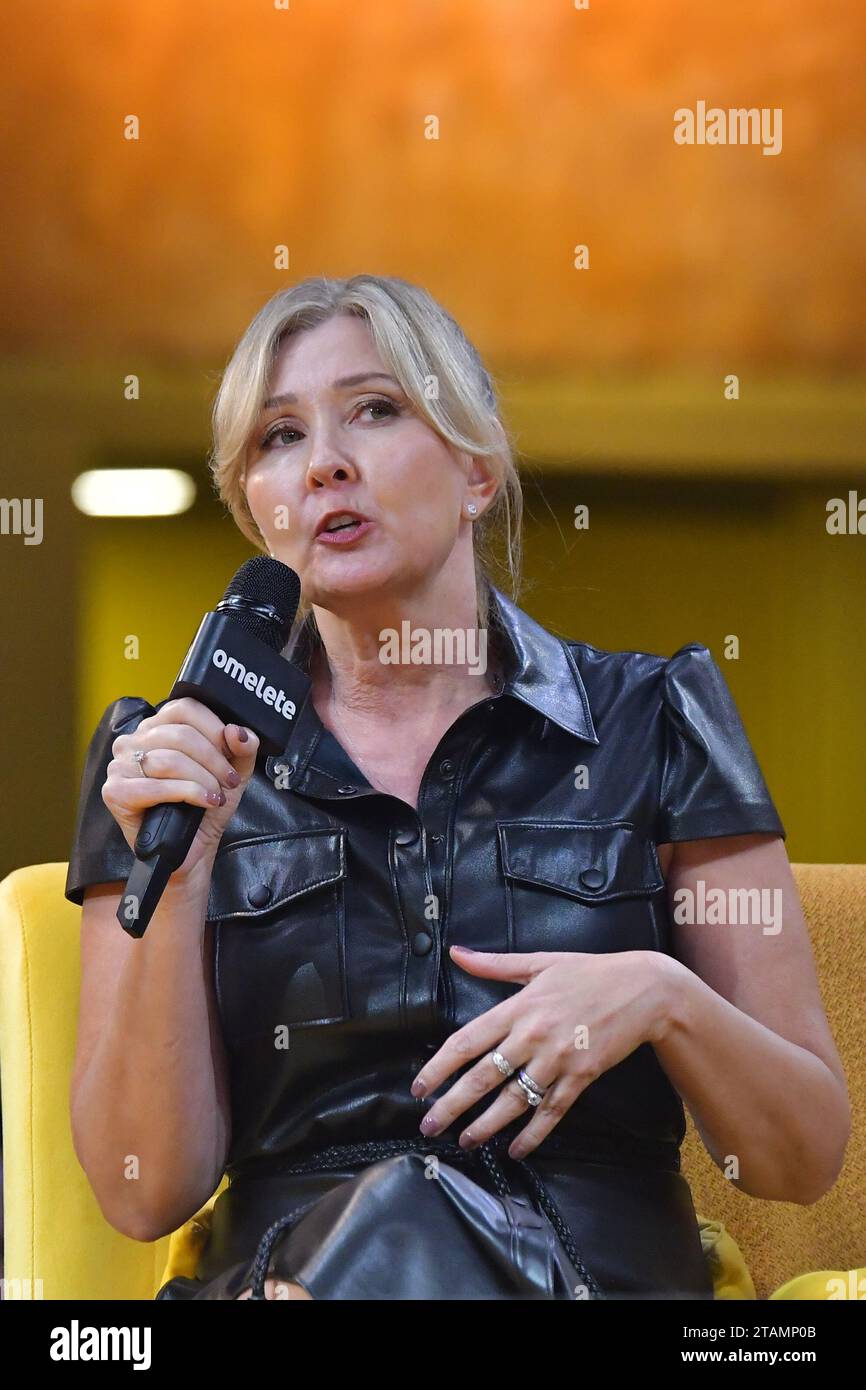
(58, 1245)
(57, 1242)
(780, 1242)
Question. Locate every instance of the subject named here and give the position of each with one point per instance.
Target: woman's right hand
(192, 756)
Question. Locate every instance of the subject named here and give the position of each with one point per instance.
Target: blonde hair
(423, 347)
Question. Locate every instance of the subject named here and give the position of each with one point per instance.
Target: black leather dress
(334, 905)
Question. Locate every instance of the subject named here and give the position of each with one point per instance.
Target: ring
(502, 1063)
(531, 1090)
(533, 1085)
(140, 754)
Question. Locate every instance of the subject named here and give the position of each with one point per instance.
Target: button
(422, 943)
(491, 706)
(345, 791)
(446, 767)
(591, 878)
(406, 837)
(436, 839)
(260, 895)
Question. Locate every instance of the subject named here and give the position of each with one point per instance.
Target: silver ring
(533, 1085)
(531, 1090)
(140, 754)
(502, 1063)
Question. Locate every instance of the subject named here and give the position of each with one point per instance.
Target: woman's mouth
(344, 530)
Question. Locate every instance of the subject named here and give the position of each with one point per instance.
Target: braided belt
(372, 1151)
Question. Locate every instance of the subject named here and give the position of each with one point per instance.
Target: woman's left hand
(577, 1015)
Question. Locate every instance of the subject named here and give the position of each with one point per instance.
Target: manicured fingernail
(468, 949)
(242, 734)
(232, 778)
(418, 1088)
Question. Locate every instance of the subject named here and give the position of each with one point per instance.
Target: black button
(422, 943)
(446, 767)
(437, 839)
(592, 878)
(491, 706)
(345, 791)
(406, 837)
(260, 895)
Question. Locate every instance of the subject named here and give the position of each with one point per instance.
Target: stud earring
(471, 508)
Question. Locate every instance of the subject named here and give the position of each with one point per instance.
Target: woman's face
(357, 448)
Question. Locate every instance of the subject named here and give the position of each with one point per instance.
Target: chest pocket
(579, 886)
(279, 904)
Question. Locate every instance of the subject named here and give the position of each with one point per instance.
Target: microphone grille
(263, 597)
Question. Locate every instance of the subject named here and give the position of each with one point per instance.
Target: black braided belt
(489, 1156)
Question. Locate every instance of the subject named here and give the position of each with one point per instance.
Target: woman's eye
(278, 431)
(275, 434)
(381, 404)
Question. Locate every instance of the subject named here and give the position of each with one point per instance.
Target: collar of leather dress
(540, 670)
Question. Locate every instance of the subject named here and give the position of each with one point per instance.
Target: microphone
(234, 667)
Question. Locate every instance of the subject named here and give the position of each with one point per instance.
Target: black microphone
(233, 667)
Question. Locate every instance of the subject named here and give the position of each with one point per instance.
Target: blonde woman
(419, 987)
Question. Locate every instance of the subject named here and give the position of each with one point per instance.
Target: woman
(423, 985)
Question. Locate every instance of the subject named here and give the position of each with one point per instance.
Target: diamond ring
(531, 1090)
(140, 754)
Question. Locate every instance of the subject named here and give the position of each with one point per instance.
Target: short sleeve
(711, 783)
(99, 852)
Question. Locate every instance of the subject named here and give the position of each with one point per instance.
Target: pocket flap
(252, 877)
(595, 861)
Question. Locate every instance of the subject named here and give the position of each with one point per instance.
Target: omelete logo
(235, 669)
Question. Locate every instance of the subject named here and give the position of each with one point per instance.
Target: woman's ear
(482, 482)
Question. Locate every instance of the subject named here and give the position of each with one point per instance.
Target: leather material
(538, 820)
(352, 1242)
(383, 1233)
(610, 1209)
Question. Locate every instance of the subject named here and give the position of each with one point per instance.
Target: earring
(471, 508)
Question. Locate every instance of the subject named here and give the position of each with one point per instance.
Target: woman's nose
(327, 466)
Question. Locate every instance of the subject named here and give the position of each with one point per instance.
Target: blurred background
(309, 126)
